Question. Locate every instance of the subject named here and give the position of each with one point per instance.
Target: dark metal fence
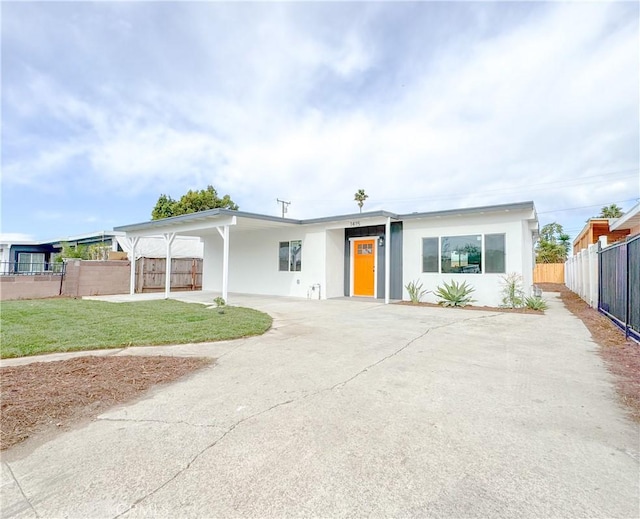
(619, 285)
(27, 268)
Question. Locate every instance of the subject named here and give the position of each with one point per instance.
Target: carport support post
(132, 280)
(224, 234)
(225, 264)
(168, 238)
(387, 261)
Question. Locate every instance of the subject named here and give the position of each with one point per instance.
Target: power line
(587, 206)
(530, 187)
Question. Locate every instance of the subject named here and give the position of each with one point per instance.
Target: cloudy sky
(426, 106)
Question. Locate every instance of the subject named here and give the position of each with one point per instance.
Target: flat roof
(212, 214)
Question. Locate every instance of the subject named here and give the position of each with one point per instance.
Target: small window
(494, 250)
(364, 248)
(290, 256)
(461, 254)
(429, 254)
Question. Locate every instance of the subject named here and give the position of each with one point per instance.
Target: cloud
(467, 105)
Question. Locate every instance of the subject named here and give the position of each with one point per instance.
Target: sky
(426, 106)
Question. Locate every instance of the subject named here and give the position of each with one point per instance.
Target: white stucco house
(372, 254)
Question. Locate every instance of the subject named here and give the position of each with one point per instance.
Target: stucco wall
(253, 262)
(334, 264)
(487, 286)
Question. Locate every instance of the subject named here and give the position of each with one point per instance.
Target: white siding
(253, 262)
(212, 262)
(334, 264)
(487, 286)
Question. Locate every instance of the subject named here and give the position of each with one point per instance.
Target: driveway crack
(383, 359)
(21, 489)
(401, 349)
(280, 404)
(200, 453)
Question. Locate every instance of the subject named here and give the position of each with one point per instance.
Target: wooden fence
(548, 273)
(186, 274)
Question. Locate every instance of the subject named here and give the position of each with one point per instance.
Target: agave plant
(536, 303)
(415, 291)
(454, 294)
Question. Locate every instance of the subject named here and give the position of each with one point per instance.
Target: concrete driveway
(351, 408)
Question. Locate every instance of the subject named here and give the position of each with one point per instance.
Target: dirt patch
(473, 307)
(44, 396)
(622, 356)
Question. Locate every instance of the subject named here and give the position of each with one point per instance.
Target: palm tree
(611, 211)
(360, 197)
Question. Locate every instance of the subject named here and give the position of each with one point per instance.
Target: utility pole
(285, 206)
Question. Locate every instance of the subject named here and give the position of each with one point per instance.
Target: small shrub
(536, 303)
(220, 304)
(512, 291)
(414, 288)
(455, 294)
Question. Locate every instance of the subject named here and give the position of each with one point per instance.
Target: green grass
(55, 325)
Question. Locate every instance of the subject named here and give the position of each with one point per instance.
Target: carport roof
(214, 217)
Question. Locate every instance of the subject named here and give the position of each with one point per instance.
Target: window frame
(483, 253)
(293, 255)
(486, 256)
(30, 263)
(437, 257)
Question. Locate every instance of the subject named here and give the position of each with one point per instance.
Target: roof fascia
(522, 206)
(618, 223)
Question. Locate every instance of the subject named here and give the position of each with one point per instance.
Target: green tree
(74, 251)
(360, 197)
(611, 211)
(553, 245)
(191, 202)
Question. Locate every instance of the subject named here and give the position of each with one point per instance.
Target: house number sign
(355, 224)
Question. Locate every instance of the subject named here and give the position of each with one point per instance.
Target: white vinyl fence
(581, 274)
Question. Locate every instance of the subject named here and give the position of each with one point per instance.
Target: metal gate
(619, 285)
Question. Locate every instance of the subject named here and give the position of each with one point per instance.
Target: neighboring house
(614, 229)
(594, 230)
(34, 257)
(25, 257)
(373, 254)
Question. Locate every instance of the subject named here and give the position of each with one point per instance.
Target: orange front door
(364, 264)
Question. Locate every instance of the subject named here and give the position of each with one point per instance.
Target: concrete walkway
(350, 408)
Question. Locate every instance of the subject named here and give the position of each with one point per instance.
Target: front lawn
(54, 325)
